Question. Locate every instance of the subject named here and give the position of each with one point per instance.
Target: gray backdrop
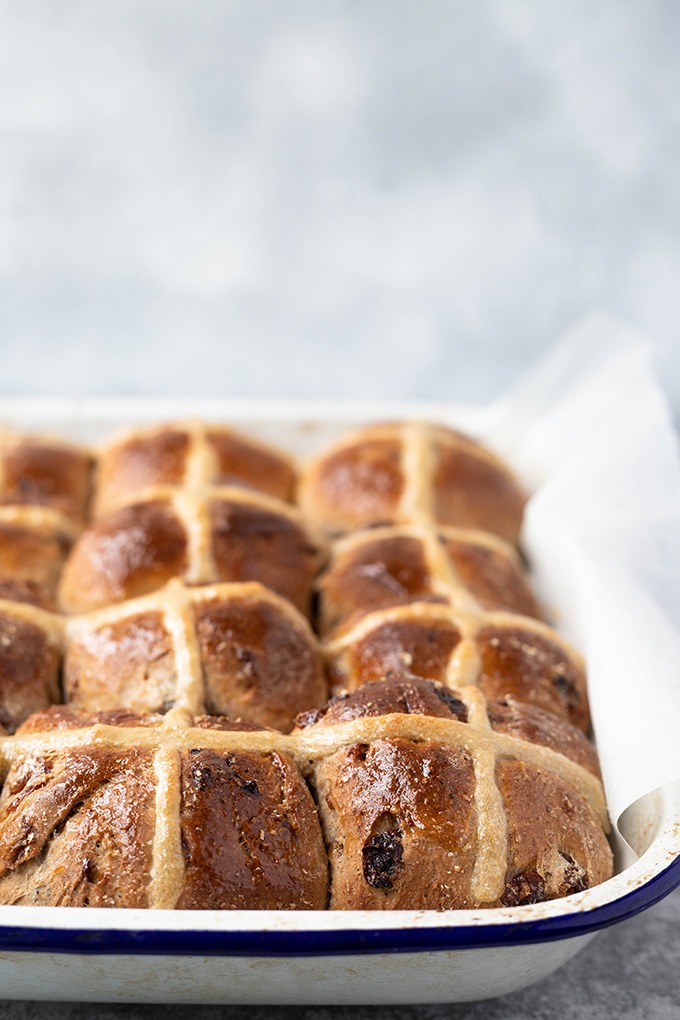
(342, 199)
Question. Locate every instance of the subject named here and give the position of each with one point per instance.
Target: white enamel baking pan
(365, 957)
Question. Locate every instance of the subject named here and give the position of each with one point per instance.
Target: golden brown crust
(555, 845)
(355, 486)
(241, 461)
(30, 654)
(128, 663)
(234, 649)
(401, 825)
(491, 572)
(429, 825)
(475, 491)
(139, 462)
(395, 648)
(259, 662)
(470, 791)
(189, 454)
(107, 825)
(384, 567)
(416, 696)
(76, 828)
(412, 696)
(428, 813)
(216, 535)
(503, 654)
(534, 667)
(410, 473)
(31, 559)
(47, 473)
(250, 834)
(536, 726)
(259, 543)
(376, 571)
(128, 553)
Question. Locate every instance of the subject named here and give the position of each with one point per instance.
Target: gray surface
(342, 199)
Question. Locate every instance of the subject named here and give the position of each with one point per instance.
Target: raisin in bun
(432, 799)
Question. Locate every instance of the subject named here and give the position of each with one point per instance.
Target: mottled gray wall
(330, 198)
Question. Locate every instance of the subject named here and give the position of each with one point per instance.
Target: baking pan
(299, 956)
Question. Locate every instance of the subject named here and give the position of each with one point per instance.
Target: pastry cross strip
(166, 737)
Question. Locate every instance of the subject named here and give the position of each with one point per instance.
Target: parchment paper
(590, 433)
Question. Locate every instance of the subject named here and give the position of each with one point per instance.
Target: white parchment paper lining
(590, 433)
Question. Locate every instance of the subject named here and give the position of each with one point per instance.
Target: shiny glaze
(392, 569)
(471, 490)
(251, 543)
(456, 480)
(375, 575)
(257, 662)
(412, 696)
(129, 663)
(128, 552)
(528, 722)
(250, 834)
(399, 815)
(423, 796)
(492, 577)
(140, 462)
(42, 474)
(532, 668)
(359, 485)
(400, 818)
(415, 696)
(398, 648)
(520, 663)
(555, 845)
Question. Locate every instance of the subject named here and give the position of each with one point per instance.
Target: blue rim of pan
(102, 941)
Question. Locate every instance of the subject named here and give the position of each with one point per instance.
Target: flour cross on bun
(44, 499)
(225, 649)
(204, 535)
(426, 799)
(448, 800)
(410, 473)
(191, 500)
(197, 762)
(42, 471)
(188, 455)
(118, 810)
(500, 652)
(379, 568)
